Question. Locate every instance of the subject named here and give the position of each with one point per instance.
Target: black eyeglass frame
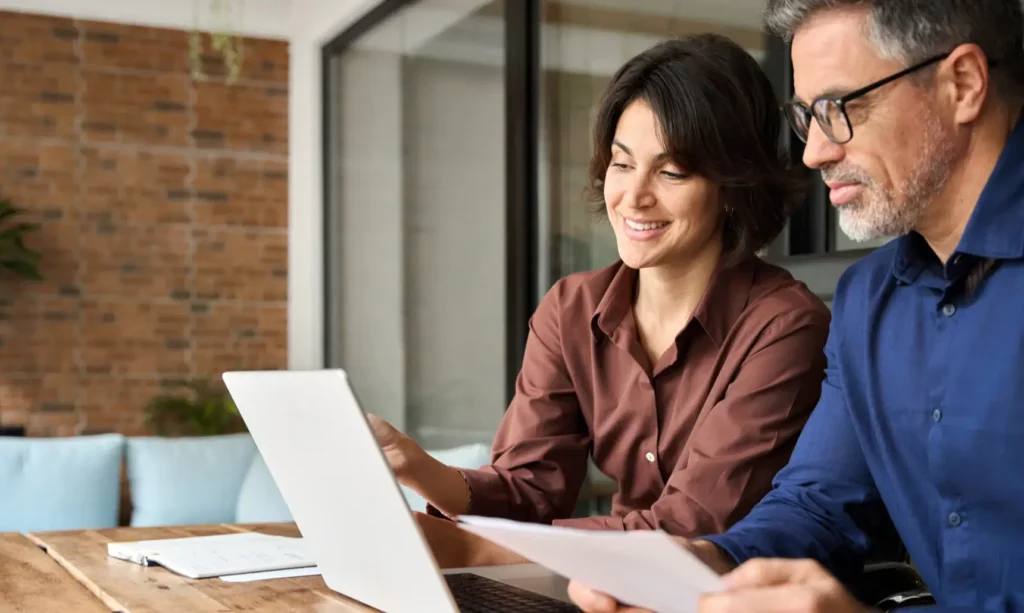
(808, 112)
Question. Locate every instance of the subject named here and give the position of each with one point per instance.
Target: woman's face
(661, 214)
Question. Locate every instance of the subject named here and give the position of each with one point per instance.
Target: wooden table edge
(77, 575)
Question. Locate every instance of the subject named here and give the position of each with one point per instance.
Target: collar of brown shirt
(720, 306)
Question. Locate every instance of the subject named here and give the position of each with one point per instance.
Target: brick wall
(164, 208)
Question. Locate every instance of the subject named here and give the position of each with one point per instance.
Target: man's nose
(819, 150)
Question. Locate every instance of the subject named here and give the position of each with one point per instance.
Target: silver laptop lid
(315, 440)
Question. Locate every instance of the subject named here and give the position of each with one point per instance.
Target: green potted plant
(194, 407)
(16, 258)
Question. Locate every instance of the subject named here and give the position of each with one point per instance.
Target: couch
(102, 481)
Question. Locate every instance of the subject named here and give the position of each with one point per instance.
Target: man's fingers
(596, 602)
(773, 599)
(764, 572)
(590, 600)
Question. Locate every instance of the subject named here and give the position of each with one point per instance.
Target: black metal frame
(810, 230)
(522, 134)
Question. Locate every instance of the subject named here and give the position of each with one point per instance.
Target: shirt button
(649, 456)
(948, 309)
(954, 519)
(937, 415)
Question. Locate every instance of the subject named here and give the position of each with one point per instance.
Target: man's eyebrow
(831, 93)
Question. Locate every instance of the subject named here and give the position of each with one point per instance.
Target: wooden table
(70, 571)
(32, 581)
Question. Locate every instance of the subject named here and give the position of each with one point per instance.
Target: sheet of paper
(641, 568)
(224, 554)
(309, 571)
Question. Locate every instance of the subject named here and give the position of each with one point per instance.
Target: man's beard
(889, 212)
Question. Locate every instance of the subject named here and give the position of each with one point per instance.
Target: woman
(685, 370)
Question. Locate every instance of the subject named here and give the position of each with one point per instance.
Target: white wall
(311, 24)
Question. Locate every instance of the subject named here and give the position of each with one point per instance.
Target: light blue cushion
(467, 456)
(189, 480)
(60, 483)
(260, 501)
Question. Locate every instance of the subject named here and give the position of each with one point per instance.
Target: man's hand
(593, 601)
(770, 586)
(454, 547)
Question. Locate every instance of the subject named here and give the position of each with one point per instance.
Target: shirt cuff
(486, 495)
(730, 546)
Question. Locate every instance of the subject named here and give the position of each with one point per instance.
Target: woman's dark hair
(720, 120)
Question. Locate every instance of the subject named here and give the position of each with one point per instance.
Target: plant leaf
(25, 270)
(17, 231)
(8, 210)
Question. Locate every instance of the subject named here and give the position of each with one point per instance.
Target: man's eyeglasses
(831, 112)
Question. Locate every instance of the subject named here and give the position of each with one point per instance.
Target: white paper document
(309, 571)
(640, 568)
(199, 557)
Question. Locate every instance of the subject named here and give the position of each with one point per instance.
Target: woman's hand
(440, 484)
(400, 450)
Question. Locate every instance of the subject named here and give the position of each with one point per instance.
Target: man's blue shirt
(921, 415)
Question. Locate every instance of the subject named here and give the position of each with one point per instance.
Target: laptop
(314, 438)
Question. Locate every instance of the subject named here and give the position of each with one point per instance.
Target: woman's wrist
(442, 485)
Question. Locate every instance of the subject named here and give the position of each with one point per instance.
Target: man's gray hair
(910, 31)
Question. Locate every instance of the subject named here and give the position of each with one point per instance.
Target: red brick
(57, 243)
(240, 192)
(164, 247)
(37, 335)
(39, 177)
(116, 403)
(53, 424)
(137, 261)
(120, 46)
(29, 38)
(122, 337)
(46, 404)
(241, 265)
(241, 117)
(263, 61)
(138, 107)
(134, 185)
(38, 100)
(239, 336)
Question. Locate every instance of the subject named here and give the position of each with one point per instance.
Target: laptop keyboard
(476, 594)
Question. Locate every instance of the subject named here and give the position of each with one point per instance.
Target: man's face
(903, 146)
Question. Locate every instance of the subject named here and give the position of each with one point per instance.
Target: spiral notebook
(200, 557)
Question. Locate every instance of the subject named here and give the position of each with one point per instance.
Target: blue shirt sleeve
(823, 501)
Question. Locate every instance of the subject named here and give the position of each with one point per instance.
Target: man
(912, 112)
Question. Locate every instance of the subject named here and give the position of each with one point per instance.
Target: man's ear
(968, 81)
